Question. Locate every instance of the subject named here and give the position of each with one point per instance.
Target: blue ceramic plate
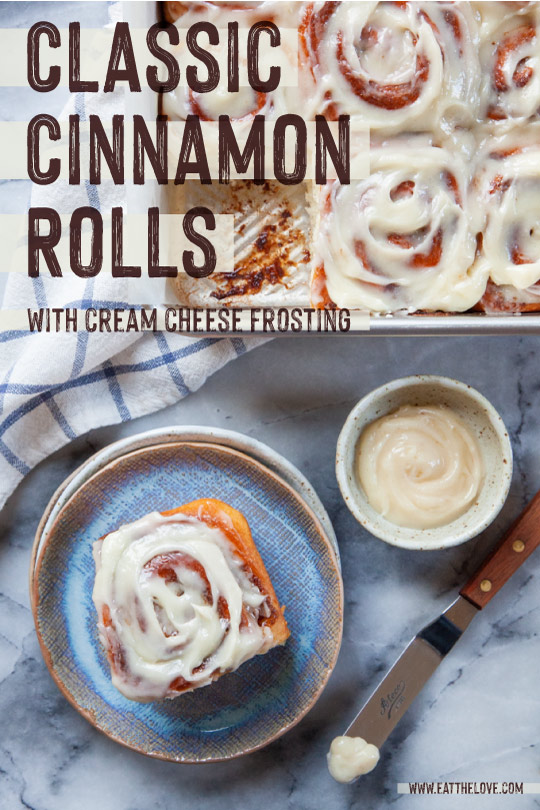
(243, 710)
(174, 434)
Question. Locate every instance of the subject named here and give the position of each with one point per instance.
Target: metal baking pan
(421, 325)
(471, 324)
(399, 325)
(144, 14)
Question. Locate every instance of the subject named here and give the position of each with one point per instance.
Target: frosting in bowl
(420, 466)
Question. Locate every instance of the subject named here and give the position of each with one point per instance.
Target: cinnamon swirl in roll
(182, 598)
(399, 66)
(509, 299)
(246, 11)
(401, 239)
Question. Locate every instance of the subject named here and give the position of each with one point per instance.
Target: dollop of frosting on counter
(420, 467)
(351, 757)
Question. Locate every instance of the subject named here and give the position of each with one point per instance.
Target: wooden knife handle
(517, 544)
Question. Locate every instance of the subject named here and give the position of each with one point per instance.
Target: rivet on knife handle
(517, 544)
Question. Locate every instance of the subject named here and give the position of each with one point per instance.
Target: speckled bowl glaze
(482, 419)
(244, 710)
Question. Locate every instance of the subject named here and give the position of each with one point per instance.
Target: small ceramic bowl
(482, 419)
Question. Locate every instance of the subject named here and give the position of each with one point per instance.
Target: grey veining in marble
(478, 718)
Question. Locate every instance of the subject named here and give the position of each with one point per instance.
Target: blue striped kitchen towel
(57, 386)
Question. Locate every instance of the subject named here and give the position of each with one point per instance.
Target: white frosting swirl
(510, 62)
(176, 606)
(507, 198)
(420, 467)
(401, 239)
(351, 757)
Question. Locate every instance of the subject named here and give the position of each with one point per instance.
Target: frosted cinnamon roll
(506, 197)
(182, 598)
(397, 65)
(401, 238)
(245, 102)
(510, 60)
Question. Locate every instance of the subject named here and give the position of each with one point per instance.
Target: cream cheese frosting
(351, 757)
(420, 466)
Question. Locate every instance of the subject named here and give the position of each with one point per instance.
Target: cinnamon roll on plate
(184, 600)
(183, 597)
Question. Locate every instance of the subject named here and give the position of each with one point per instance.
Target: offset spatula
(421, 658)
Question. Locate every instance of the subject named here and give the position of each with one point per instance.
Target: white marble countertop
(477, 719)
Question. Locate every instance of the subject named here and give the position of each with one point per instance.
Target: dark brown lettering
(192, 138)
(300, 149)
(173, 69)
(74, 150)
(122, 46)
(76, 84)
(157, 155)
(100, 145)
(35, 173)
(339, 154)
(254, 148)
(43, 242)
(155, 270)
(274, 75)
(32, 51)
(209, 253)
(96, 242)
(209, 61)
(233, 77)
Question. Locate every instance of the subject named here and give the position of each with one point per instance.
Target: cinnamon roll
(506, 199)
(510, 62)
(246, 102)
(397, 65)
(400, 239)
(182, 598)
(509, 299)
